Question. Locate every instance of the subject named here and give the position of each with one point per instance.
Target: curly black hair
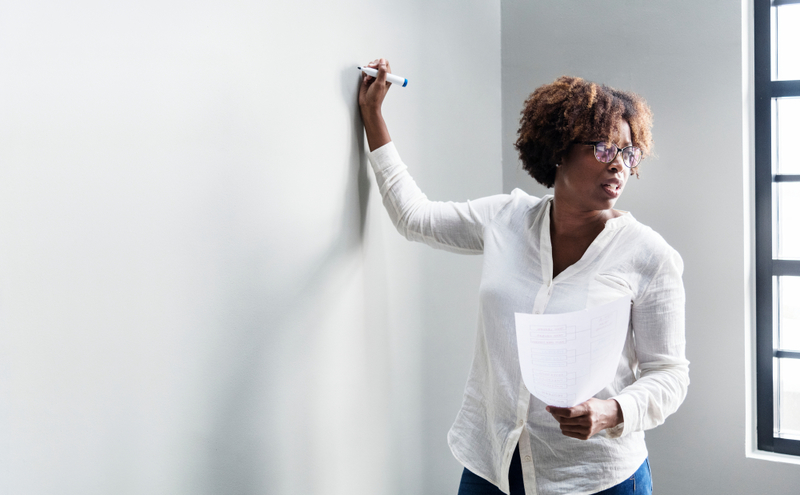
(570, 110)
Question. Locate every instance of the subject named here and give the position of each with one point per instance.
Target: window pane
(786, 132)
(789, 311)
(786, 212)
(786, 45)
(788, 398)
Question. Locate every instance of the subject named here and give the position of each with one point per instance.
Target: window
(777, 183)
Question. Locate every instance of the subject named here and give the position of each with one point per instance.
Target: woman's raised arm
(370, 99)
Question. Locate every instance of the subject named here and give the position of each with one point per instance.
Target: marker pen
(389, 77)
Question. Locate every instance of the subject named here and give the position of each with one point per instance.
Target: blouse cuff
(384, 157)
(628, 406)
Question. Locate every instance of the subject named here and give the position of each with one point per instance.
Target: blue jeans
(472, 484)
(639, 483)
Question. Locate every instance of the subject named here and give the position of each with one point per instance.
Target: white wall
(199, 289)
(685, 58)
(200, 292)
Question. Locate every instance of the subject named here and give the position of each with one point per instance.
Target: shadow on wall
(262, 406)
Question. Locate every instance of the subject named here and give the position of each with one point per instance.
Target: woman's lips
(613, 189)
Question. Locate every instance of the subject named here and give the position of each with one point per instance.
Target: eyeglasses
(607, 152)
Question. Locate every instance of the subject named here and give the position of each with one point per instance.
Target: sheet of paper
(567, 358)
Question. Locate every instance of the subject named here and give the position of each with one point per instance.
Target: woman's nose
(616, 164)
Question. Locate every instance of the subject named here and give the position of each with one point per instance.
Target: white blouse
(498, 413)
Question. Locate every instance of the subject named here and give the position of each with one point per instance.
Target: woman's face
(588, 184)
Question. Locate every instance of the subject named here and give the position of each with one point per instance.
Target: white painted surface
(199, 289)
(686, 59)
(200, 292)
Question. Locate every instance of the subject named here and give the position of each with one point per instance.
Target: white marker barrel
(389, 77)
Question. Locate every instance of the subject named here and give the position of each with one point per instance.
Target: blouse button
(521, 422)
(527, 458)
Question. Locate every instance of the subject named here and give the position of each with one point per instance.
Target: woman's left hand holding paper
(588, 418)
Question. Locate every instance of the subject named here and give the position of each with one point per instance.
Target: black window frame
(766, 266)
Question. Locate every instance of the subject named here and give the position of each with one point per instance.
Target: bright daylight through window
(777, 120)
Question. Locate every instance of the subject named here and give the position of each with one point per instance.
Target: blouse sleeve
(657, 318)
(456, 227)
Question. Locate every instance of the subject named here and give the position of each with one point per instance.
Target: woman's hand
(373, 90)
(587, 419)
(370, 99)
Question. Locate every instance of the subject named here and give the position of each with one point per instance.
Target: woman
(561, 253)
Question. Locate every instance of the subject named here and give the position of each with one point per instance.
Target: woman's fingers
(383, 69)
(586, 419)
(581, 421)
(579, 435)
(387, 70)
(375, 63)
(381, 64)
(373, 93)
(579, 427)
(560, 411)
(569, 413)
(373, 89)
